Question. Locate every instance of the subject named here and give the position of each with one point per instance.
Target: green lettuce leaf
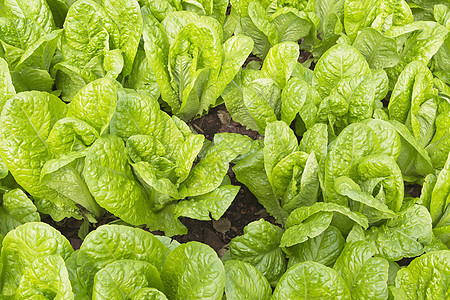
(365, 274)
(110, 243)
(16, 209)
(259, 246)
(110, 180)
(423, 40)
(353, 143)
(245, 281)
(127, 18)
(22, 246)
(298, 282)
(324, 248)
(339, 62)
(47, 275)
(193, 270)
(124, 278)
(379, 50)
(36, 10)
(403, 236)
(33, 126)
(426, 276)
(94, 104)
(6, 87)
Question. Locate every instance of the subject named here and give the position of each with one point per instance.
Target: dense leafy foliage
(352, 102)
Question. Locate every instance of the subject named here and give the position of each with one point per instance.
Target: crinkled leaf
(339, 62)
(315, 140)
(156, 47)
(236, 50)
(212, 204)
(380, 51)
(324, 248)
(70, 135)
(193, 270)
(142, 77)
(234, 101)
(112, 183)
(381, 82)
(39, 55)
(17, 209)
(245, 281)
(425, 39)
(309, 228)
(209, 172)
(85, 33)
(95, 104)
(148, 293)
(403, 236)
(126, 15)
(280, 62)
(251, 172)
(392, 13)
(354, 142)
(439, 146)
(27, 78)
(330, 13)
(357, 15)
(296, 93)
(410, 101)
(37, 10)
(385, 171)
(259, 246)
(413, 160)
(6, 86)
(124, 278)
(388, 138)
(311, 280)
(110, 243)
(259, 108)
(293, 25)
(23, 245)
(365, 275)
(358, 91)
(440, 198)
(32, 125)
(47, 275)
(426, 276)
(18, 33)
(295, 180)
(302, 213)
(280, 141)
(64, 175)
(371, 207)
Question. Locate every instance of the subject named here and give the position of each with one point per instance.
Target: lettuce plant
(271, 22)
(114, 262)
(29, 38)
(321, 262)
(105, 46)
(160, 9)
(16, 209)
(68, 161)
(280, 173)
(359, 171)
(29, 252)
(192, 64)
(341, 90)
(434, 197)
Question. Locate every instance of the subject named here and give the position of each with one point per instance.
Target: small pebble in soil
(222, 225)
